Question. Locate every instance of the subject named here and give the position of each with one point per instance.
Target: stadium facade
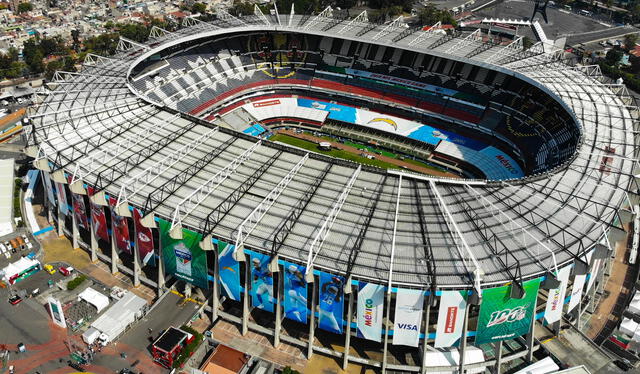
(150, 165)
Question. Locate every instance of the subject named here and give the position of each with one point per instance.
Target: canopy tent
(94, 298)
(544, 366)
(451, 357)
(18, 267)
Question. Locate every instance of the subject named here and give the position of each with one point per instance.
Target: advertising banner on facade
(57, 313)
(144, 239)
(48, 185)
(502, 317)
(62, 199)
(370, 309)
(183, 257)
(406, 325)
(80, 211)
(120, 228)
(295, 292)
(331, 302)
(593, 274)
(555, 302)
(229, 271)
(453, 305)
(98, 218)
(576, 291)
(262, 296)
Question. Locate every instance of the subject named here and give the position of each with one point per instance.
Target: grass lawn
(337, 153)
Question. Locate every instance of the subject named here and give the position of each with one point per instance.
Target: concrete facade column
(245, 296)
(387, 320)
(312, 317)
(463, 339)
(60, 221)
(530, 338)
(215, 298)
(161, 278)
(347, 338)
(94, 242)
(136, 263)
(278, 305)
(75, 233)
(498, 349)
(425, 347)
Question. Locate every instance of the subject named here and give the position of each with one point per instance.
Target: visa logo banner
(408, 316)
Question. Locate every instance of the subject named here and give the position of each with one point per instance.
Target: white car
(29, 245)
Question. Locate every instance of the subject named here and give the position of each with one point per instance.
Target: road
(171, 311)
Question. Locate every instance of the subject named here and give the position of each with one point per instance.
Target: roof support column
(347, 338)
(388, 306)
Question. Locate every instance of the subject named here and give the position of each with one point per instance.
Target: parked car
(15, 299)
(623, 364)
(66, 270)
(49, 269)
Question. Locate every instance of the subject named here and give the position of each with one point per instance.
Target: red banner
(144, 239)
(98, 218)
(120, 228)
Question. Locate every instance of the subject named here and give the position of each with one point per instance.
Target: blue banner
(331, 302)
(229, 271)
(295, 292)
(261, 282)
(336, 111)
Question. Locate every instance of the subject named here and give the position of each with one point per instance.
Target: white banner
(553, 311)
(594, 273)
(450, 318)
(370, 309)
(57, 314)
(578, 286)
(408, 317)
(576, 292)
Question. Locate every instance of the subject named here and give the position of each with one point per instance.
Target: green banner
(502, 317)
(183, 257)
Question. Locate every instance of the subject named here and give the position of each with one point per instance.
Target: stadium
(486, 180)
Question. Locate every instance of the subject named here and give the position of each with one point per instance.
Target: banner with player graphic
(228, 271)
(62, 198)
(120, 228)
(295, 292)
(183, 257)
(502, 317)
(453, 305)
(555, 302)
(408, 317)
(144, 240)
(331, 302)
(370, 309)
(98, 218)
(80, 211)
(262, 294)
(49, 186)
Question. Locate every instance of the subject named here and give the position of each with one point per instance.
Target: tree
(242, 8)
(613, 56)
(430, 15)
(630, 41)
(24, 7)
(135, 31)
(52, 67)
(198, 8)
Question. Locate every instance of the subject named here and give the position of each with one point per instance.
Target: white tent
(90, 335)
(6, 196)
(94, 298)
(634, 305)
(121, 314)
(544, 366)
(451, 357)
(628, 327)
(18, 267)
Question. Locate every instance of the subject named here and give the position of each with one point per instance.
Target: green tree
(104, 45)
(135, 31)
(52, 67)
(630, 41)
(24, 7)
(613, 56)
(430, 15)
(243, 8)
(199, 8)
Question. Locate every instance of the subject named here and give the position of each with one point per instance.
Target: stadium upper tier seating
(491, 106)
